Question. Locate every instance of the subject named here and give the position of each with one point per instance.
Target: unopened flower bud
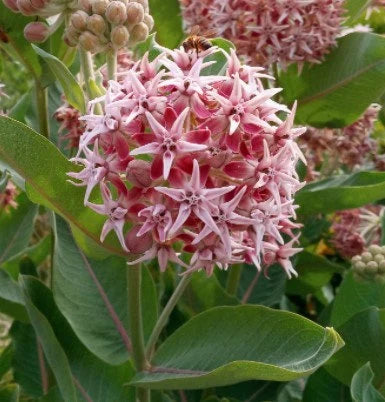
(96, 24)
(379, 257)
(99, 6)
(119, 36)
(79, 20)
(25, 7)
(38, 4)
(381, 267)
(371, 267)
(36, 32)
(138, 173)
(11, 4)
(138, 245)
(89, 41)
(116, 12)
(135, 13)
(84, 5)
(375, 249)
(360, 267)
(139, 32)
(366, 256)
(71, 36)
(144, 4)
(149, 21)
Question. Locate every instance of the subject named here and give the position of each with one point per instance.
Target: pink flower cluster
(353, 230)
(195, 163)
(8, 197)
(269, 31)
(349, 146)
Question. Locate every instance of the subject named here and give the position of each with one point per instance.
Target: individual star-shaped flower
(169, 143)
(116, 215)
(194, 198)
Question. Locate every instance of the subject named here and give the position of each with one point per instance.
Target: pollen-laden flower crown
(192, 162)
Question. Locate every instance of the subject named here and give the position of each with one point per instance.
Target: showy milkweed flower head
(192, 168)
(8, 197)
(268, 31)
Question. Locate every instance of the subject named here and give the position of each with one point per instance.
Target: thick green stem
(87, 71)
(134, 277)
(42, 108)
(162, 320)
(233, 279)
(111, 58)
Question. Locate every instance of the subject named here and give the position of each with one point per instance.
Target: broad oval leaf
(95, 380)
(226, 345)
(341, 192)
(362, 387)
(45, 169)
(53, 351)
(72, 90)
(353, 297)
(337, 91)
(364, 336)
(92, 295)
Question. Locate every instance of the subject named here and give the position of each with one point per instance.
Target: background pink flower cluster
(269, 31)
(192, 162)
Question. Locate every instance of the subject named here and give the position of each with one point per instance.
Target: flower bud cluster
(370, 265)
(269, 31)
(350, 146)
(68, 117)
(101, 24)
(202, 164)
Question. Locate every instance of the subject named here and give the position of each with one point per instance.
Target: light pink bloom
(170, 143)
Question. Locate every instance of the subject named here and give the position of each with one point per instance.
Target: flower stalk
(233, 279)
(42, 108)
(111, 59)
(162, 320)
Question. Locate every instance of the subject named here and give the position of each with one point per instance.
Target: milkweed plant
(192, 200)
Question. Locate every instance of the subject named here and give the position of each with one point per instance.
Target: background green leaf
(341, 192)
(362, 387)
(336, 92)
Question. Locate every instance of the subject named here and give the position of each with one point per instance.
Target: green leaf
(314, 272)
(16, 227)
(25, 363)
(336, 92)
(11, 298)
(205, 292)
(362, 387)
(341, 192)
(250, 391)
(355, 9)
(227, 345)
(36, 253)
(353, 297)
(220, 59)
(92, 295)
(268, 290)
(45, 171)
(94, 380)
(72, 90)
(364, 336)
(322, 387)
(149, 45)
(6, 360)
(53, 351)
(168, 22)
(10, 393)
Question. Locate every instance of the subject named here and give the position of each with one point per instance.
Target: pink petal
(195, 181)
(157, 167)
(152, 148)
(177, 127)
(170, 116)
(239, 170)
(174, 193)
(234, 141)
(185, 146)
(157, 128)
(163, 258)
(168, 158)
(199, 136)
(183, 214)
(234, 123)
(212, 193)
(144, 138)
(204, 215)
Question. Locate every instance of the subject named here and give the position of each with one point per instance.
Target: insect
(198, 42)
